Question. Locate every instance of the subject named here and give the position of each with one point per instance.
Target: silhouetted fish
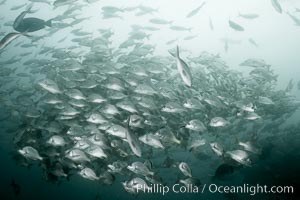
(32, 24)
(223, 170)
(16, 187)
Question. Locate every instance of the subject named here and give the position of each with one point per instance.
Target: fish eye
(122, 154)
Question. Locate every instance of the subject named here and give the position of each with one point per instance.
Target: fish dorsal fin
(29, 9)
(127, 127)
(127, 122)
(177, 51)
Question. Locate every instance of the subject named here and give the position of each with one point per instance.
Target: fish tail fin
(177, 51)
(49, 23)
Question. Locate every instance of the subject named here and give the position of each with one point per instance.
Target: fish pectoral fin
(29, 9)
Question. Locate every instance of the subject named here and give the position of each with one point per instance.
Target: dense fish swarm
(118, 115)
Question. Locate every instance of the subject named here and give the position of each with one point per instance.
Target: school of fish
(125, 112)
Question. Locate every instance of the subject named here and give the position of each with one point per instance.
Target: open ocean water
(160, 99)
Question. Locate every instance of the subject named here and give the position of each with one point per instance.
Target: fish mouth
(130, 168)
(189, 126)
(21, 151)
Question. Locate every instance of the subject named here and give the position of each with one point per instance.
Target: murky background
(271, 36)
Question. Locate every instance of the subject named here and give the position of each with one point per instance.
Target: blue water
(278, 41)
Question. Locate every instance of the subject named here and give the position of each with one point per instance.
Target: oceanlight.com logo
(213, 188)
(250, 189)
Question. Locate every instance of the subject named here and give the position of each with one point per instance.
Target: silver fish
(77, 155)
(195, 11)
(117, 130)
(96, 118)
(18, 7)
(217, 149)
(75, 94)
(218, 122)
(151, 140)
(171, 41)
(190, 37)
(276, 6)
(211, 24)
(8, 39)
(239, 156)
(185, 169)
(249, 15)
(59, 3)
(253, 42)
(195, 141)
(88, 173)
(117, 166)
(249, 146)
(96, 152)
(235, 26)
(133, 186)
(140, 168)
(196, 125)
(159, 21)
(294, 18)
(265, 100)
(183, 69)
(30, 152)
(252, 116)
(50, 86)
(57, 141)
(133, 142)
(180, 28)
